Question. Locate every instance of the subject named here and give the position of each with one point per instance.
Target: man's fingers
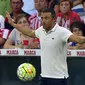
(7, 14)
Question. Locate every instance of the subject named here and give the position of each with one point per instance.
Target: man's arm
(25, 30)
(77, 39)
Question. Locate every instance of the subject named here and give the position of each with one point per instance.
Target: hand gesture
(80, 46)
(10, 20)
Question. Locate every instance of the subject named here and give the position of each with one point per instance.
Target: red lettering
(12, 52)
(81, 53)
(68, 53)
(29, 52)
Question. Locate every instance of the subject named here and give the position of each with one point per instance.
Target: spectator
(3, 32)
(66, 16)
(4, 6)
(77, 28)
(78, 6)
(56, 8)
(35, 19)
(84, 5)
(16, 39)
(16, 7)
(2, 20)
(3, 36)
(54, 5)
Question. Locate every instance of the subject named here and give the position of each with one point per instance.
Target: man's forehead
(45, 14)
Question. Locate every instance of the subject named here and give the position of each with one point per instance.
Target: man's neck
(50, 28)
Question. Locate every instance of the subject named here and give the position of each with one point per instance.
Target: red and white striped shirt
(4, 33)
(73, 16)
(35, 21)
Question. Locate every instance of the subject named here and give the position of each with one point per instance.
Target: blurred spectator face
(23, 22)
(65, 7)
(84, 5)
(56, 9)
(77, 31)
(40, 4)
(16, 5)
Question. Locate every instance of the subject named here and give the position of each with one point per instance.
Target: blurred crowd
(69, 14)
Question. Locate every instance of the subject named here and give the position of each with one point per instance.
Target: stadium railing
(10, 59)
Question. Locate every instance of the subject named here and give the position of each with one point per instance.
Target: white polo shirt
(53, 51)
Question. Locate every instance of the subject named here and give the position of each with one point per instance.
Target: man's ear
(54, 19)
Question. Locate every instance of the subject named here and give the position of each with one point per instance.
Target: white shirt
(53, 51)
(4, 33)
(2, 20)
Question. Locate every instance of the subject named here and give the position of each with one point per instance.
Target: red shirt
(73, 16)
(35, 21)
(4, 33)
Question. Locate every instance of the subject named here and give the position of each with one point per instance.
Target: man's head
(48, 18)
(41, 4)
(16, 5)
(65, 6)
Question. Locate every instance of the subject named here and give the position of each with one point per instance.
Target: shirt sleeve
(12, 35)
(37, 32)
(65, 34)
(6, 33)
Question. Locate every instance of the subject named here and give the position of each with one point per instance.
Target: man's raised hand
(10, 20)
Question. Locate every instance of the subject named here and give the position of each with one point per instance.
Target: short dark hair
(78, 24)
(49, 10)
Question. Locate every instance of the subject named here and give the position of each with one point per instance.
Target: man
(3, 32)
(38, 5)
(16, 7)
(53, 41)
(35, 19)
